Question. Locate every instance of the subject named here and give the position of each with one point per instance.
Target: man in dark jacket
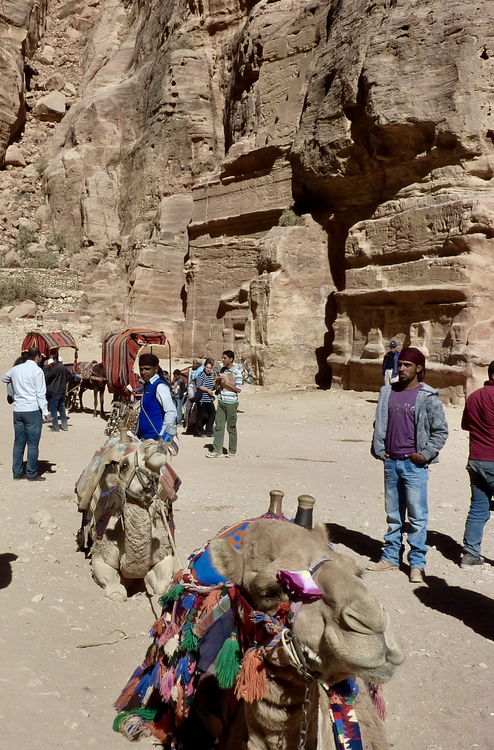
(478, 419)
(409, 431)
(57, 376)
(390, 364)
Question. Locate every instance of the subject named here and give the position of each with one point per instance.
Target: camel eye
(125, 464)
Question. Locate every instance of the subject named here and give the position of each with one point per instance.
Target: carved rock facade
(197, 125)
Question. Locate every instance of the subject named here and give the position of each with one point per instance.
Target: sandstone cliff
(300, 181)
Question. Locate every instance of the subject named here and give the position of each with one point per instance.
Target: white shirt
(164, 398)
(28, 383)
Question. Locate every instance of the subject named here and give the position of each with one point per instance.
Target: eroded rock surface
(298, 181)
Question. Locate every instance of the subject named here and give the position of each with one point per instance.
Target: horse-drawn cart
(120, 356)
(50, 344)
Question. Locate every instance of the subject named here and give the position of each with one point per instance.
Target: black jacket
(56, 378)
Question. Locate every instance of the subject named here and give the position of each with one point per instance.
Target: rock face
(301, 181)
(21, 26)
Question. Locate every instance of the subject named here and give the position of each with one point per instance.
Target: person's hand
(417, 458)
(48, 419)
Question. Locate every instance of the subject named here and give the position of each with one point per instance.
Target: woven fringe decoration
(132, 724)
(182, 671)
(127, 693)
(190, 641)
(251, 680)
(168, 633)
(211, 601)
(180, 704)
(172, 595)
(377, 696)
(228, 663)
(172, 645)
(166, 685)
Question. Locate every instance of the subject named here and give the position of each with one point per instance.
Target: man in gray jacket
(409, 431)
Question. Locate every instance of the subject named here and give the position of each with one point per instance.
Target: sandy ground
(66, 651)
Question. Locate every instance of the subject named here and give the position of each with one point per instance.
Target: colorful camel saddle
(209, 631)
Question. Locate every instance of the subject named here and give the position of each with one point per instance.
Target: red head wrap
(413, 355)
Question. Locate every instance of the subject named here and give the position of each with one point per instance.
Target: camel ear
(320, 533)
(227, 560)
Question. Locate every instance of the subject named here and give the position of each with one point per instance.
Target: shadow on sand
(6, 558)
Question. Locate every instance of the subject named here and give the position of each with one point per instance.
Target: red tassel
(211, 601)
(377, 696)
(251, 680)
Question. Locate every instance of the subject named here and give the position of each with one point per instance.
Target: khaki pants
(226, 414)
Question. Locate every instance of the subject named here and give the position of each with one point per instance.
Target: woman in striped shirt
(206, 410)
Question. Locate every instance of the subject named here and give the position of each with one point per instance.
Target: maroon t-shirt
(478, 419)
(400, 434)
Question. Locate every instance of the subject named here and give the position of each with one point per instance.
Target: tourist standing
(57, 376)
(390, 364)
(206, 411)
(29, 393)
(409, 431)
(179, 390)
(478, 419)
(229, 385)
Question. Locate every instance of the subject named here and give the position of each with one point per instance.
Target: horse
(93, 379)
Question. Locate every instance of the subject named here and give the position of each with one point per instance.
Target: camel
(125, 495)
(327, 629)
(343, 634)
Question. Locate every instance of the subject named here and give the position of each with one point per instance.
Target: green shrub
(288, 218)
(47, 260)
(25, 238)
(60, 242)
(18, 289)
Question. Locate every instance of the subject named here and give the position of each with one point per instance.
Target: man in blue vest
(158, 415)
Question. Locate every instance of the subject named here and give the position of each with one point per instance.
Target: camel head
(137, 470)
(344, 631)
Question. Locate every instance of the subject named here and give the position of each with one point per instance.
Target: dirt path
(66, 651)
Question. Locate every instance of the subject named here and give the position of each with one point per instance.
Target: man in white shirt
(29, 388)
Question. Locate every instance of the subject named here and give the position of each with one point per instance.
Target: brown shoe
(416, 575)
(381, 566)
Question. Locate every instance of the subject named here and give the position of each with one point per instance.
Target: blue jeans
(27, 431)
(405, 488)
(482, 490)
(57, 404)
(179, 405)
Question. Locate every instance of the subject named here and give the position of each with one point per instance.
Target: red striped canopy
(119, 354)
(46, 342)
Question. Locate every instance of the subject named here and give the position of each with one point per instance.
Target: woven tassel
(172, 645)
(190, 641)
(143, 685)
(158, 628)
(376, 692)
(228, 663)
(168, 633)
(180, 704)
(163, 727)
(172, 595)
(127, 693)
(189, 601)
(251, 680)
(182, 671)
(167, 684)
(211, 601)
(133, 724)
